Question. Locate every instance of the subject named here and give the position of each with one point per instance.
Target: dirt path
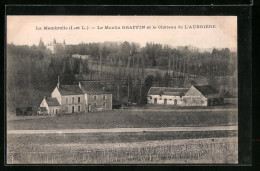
(182, 110)
(116, 130)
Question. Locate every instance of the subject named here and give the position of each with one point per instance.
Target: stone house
(96, 96)
(84, 97)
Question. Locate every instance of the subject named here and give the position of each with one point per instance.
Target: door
(165, 101)
(104, 105)
(175, 102)
(155, 100)
(89, 108)
(209, 102)
(72, 109)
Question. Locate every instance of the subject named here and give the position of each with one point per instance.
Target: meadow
(129, 118)
(199, 150)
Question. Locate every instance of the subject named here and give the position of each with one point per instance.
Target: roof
(167, 91)
(206, 90)
(42, 109)
(52, 101)
(70, 90)
(92, 87)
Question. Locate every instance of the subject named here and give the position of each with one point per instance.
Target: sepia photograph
(121, 89)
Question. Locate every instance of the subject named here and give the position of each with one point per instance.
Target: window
(104, 104)
(95, 97)
(104, 97)
(66, 109)
(78, 99)
(170, 99)
(95, 104)
(151, 97)
(53, 111)
(67, 100)
(78, 108)
(72, 99)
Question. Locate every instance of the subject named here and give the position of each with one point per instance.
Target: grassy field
(82, 149)
(19, 141)
(123, 148)
(129, 119)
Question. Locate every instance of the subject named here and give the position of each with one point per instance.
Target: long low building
(203, 95)
(166, 95)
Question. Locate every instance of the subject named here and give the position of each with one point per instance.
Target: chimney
(58, 84)
(79, 85)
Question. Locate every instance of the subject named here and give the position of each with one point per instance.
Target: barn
(202, 95)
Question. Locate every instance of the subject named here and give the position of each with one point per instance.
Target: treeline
(219, 62)
(34, 67)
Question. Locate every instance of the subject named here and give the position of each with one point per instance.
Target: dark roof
(167, 91)
(92, 87)
(206, 90)
(52, 101)
(70, 90)
(42, 109)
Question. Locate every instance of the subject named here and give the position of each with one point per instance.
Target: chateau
(55, 47)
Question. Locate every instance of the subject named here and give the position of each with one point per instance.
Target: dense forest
(122, 66)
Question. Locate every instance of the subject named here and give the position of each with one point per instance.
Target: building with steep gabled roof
(203, 95)
(49, 104)
(83, 97)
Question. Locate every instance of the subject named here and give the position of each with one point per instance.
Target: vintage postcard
(121, 90)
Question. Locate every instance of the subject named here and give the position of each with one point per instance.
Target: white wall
(56, 94)
(75, 104)
(170, 99)
(44, 104)
(194, 98)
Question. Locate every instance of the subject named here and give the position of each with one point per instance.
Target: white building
(88, 57)
(55, 47)
(84, 97)
(166, 95)
(203, 95)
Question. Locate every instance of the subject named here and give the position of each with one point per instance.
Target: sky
(21, 30)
